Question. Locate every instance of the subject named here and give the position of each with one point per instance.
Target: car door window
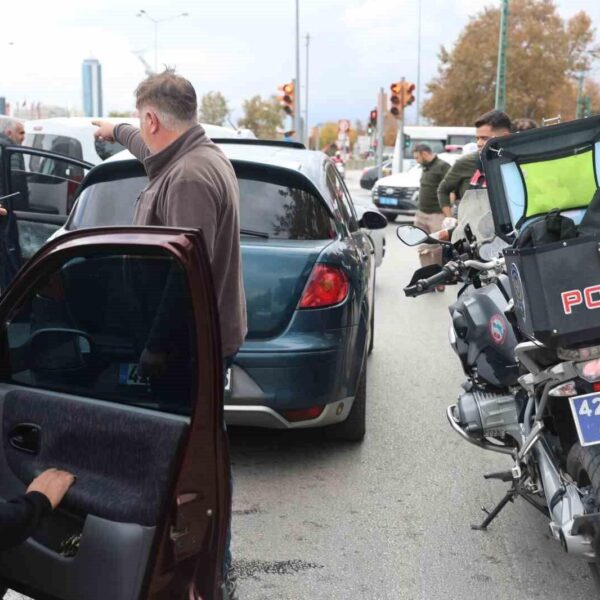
(43, 188)
(45, 184)
(339, 193)
(111, 327)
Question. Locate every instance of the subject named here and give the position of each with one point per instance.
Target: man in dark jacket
(430, 214)
(467, 172)
(12, 133)
(192, 184)
(21, 516)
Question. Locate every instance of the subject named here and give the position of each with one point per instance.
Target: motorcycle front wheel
(583, 465)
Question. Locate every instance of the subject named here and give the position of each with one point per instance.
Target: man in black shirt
(21, 516)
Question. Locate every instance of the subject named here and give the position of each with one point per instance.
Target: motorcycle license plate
(586, 413)
(387, 201)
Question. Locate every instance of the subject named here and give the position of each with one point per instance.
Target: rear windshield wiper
(252, 233)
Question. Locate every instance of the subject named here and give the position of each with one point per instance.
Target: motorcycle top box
(556, 286)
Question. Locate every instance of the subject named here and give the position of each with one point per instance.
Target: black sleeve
(20, 517)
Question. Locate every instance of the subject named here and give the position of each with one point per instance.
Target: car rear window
(283, 212)
(107, 203)
(62, 144)
(271, 209)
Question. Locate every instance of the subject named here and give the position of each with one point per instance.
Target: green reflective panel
(561, 183)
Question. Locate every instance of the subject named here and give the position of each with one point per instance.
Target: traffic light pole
(380, 111)
(297, 94)
(500, 103)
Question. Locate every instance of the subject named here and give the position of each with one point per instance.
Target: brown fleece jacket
(192, 184)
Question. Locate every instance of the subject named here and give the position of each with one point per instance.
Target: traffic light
(409, 93)
(286, 100)
(373, 118)
(403, 95)
(396, 98)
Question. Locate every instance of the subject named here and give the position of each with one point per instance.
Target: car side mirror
(372, 220)
(411, 235)
(59, 349)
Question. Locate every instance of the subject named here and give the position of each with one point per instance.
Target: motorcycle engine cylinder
(484, 414)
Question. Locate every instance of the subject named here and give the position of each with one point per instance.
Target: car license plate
(586, 413)
(128, 375)
(387, 201)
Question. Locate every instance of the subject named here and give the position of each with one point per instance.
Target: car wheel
(391, 217)
(354, 427)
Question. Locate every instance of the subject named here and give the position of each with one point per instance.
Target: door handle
(25, 437)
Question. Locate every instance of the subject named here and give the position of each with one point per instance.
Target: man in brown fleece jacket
(192, 184)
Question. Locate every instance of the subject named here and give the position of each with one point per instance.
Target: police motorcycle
(526, 326)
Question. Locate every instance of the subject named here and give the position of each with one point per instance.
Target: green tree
(262, 116)
(213, 108)
(544, 54)
(120, 113)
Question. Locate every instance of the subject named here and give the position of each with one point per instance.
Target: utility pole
(419, 68)
(580, 99)
(297, 111)
(380, 110)
(500, 103)
(307, 132)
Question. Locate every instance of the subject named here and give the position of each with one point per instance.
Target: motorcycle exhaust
(564, 504)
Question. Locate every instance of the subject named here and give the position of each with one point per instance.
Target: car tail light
(596, 386)
(326, 286)
(304, 414)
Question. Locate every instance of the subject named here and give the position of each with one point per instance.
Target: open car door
(42, 186)
(147, 516)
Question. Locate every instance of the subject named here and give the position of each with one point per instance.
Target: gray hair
(9, 123)
(172, 97)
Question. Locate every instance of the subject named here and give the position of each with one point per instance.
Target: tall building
(91, 73)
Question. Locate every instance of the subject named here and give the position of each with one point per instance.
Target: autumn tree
(213, 108)
(328, 134)
(545, 52)
(262, 116)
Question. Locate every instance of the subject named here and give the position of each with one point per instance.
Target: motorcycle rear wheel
(583, 465)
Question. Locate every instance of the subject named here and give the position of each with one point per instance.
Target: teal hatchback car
(309, 275)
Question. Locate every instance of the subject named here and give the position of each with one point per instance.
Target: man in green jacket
(430, 214)
(467, 173)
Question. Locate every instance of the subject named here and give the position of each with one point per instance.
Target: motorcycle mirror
(412, 236)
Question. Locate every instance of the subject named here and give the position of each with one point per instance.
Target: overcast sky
(239, 47)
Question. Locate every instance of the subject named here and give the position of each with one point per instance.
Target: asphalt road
(389, 519)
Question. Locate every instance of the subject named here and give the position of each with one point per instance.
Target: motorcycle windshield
(534, 172)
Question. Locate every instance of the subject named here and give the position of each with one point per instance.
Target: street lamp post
(143, 13)
(297, 113)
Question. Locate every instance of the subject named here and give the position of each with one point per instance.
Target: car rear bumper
(263, 416)
(267, 386)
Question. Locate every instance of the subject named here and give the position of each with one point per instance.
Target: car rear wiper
(252, 233)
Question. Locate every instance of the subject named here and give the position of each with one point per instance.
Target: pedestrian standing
(430, 214)
(193, 185)
(467, 172)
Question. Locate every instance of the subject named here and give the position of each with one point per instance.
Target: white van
(74, 136)
(437, 138)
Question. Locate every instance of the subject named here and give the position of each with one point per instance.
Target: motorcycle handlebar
(424, 285)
